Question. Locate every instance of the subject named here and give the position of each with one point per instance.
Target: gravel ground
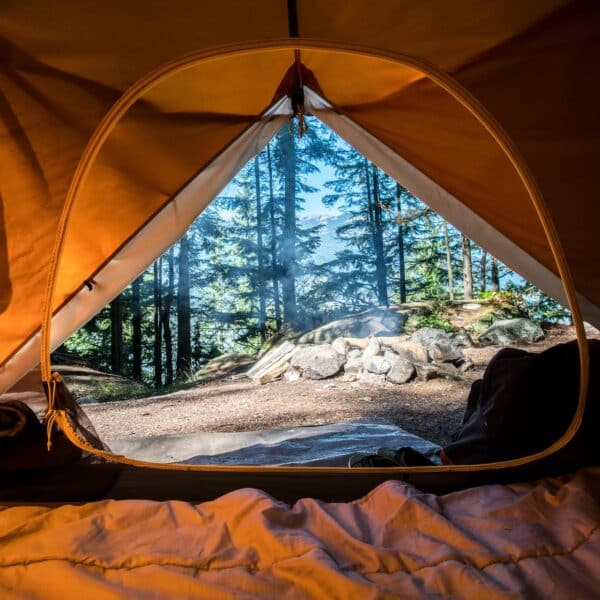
(431, 409)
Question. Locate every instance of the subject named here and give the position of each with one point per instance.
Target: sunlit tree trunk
(449, 262)
(288, 237)
(374, 220)
(380, 267)
(262, 299)
(273, 224)
(166, 318)
(483, 271)
(157, 285)
(494, 275)
(401, 258)
(184, 342)
(136, 328)
(467, 268)
(116, 335)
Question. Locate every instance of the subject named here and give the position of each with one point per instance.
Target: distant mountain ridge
(330, 243)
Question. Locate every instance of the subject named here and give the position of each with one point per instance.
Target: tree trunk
(274, 274)
(184, 342)
(116, 335)
(136, 327)
(262, 296)
(157, 327)
(288, 238)
(467, 268)
(166, 318)
(449, 263)
(401, 259)
(380, 266)
(483, 271)
(494, 275)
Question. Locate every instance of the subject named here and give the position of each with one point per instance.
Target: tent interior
(120, 122)
(110, 150)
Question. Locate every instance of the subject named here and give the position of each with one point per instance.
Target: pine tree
(136, 327)
(377, 226)
(494, 275)
(116, 335)
(166, 317)
(184, 343)
(157, 287)
(287, 146)
(401, 245)
(449, 265)
(467, 268)
(360, 266)
(273, 244)
(261, 274)
(483, 271)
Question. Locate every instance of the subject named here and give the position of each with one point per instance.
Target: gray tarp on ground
(330, 444)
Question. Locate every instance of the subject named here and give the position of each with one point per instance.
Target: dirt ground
(431, 409)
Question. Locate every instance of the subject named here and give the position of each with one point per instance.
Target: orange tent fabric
(62, 67)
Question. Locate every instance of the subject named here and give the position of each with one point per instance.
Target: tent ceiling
(64, 65)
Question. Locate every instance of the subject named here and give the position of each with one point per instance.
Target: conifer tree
(467, 268)
(116, 335)
(184, 342)
(136, 327)
(157, 287)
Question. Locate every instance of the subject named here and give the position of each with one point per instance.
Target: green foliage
(435, 320)
(111, 391)
(541, 307)
(508, 304)
(434, 316)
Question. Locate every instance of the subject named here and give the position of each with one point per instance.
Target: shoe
(362, 459)
(405, 457)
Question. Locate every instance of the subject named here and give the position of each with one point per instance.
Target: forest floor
(432, 409)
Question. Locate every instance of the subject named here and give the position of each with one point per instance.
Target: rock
(466, 365)
(376, 364)
(380, 321)
(373, 348)
(512, 331)
(349, 377)
(401, 370)
(371, 378)
(412, 351)
(317, 362)
(493, 314)
(353, 364)
(440, 346)
(430, 371)
(443, 352)
(340, 345)
(355, 353)
(462, 338)
(471, 306)
(427, 336)
(292, 374)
